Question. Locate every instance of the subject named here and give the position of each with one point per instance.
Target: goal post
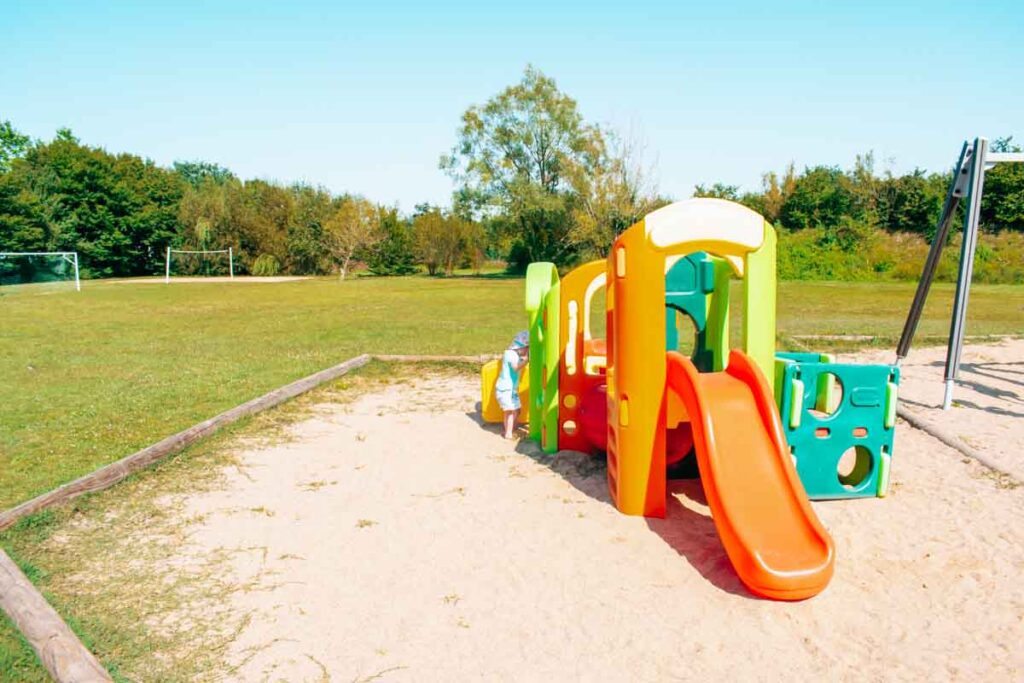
(169, 255)
(66, 259)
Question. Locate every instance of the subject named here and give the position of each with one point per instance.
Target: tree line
(533, 181)
(120, 212)
(829, 197)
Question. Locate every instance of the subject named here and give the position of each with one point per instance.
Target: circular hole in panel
(569, 427)
(569, 401)
(854, 467)
(828, 395)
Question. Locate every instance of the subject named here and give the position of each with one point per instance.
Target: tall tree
(354, 226)
(441, 240)
(610, 196)
(260, 220)
(518, 154)
(148, 211)
(304, 236)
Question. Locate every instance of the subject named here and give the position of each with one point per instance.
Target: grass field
(90, 377)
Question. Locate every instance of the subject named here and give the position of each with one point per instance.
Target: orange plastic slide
(772, 536)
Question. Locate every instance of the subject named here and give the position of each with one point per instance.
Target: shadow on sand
(973, 376)
(1009, 373)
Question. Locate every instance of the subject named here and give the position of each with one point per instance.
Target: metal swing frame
(968, 181)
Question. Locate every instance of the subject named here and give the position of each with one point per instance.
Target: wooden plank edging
(108, 475)
(58, 648)
(399, 358)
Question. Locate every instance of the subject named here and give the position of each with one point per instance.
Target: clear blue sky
(365, 97)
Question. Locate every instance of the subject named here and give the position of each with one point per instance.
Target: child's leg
(510, 423)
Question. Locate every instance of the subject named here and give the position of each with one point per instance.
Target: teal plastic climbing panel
(839, 421)
(687, 285)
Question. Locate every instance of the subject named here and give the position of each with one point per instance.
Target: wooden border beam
(386, 358)
(949, 439)
(58, 648)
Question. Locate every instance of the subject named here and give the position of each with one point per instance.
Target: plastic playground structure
(768, 430)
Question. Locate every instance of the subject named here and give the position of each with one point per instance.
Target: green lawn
(90, 377)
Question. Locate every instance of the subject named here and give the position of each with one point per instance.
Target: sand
(404, 541)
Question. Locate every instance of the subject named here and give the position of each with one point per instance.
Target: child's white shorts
(508, 400)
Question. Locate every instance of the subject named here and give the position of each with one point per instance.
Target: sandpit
(402, 540)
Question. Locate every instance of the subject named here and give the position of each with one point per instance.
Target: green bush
(818, 254)
(266, 265)
(859, 253)
(1000, 258)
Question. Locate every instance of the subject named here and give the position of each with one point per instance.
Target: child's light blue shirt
(508, 376)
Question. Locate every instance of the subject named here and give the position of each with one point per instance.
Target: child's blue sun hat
(520, 341)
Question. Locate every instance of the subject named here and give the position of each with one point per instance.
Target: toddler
(506, 388)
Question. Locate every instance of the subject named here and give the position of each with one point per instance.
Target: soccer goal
(39, 267)
(199, 261)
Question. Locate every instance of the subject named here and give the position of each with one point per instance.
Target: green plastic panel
(552, 359)
(687, 285)
(718, 316)
(883, 474)
(540, 278)
(859, 419)
(759, 304)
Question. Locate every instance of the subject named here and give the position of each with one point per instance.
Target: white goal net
(199, 263)
(39, 267)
